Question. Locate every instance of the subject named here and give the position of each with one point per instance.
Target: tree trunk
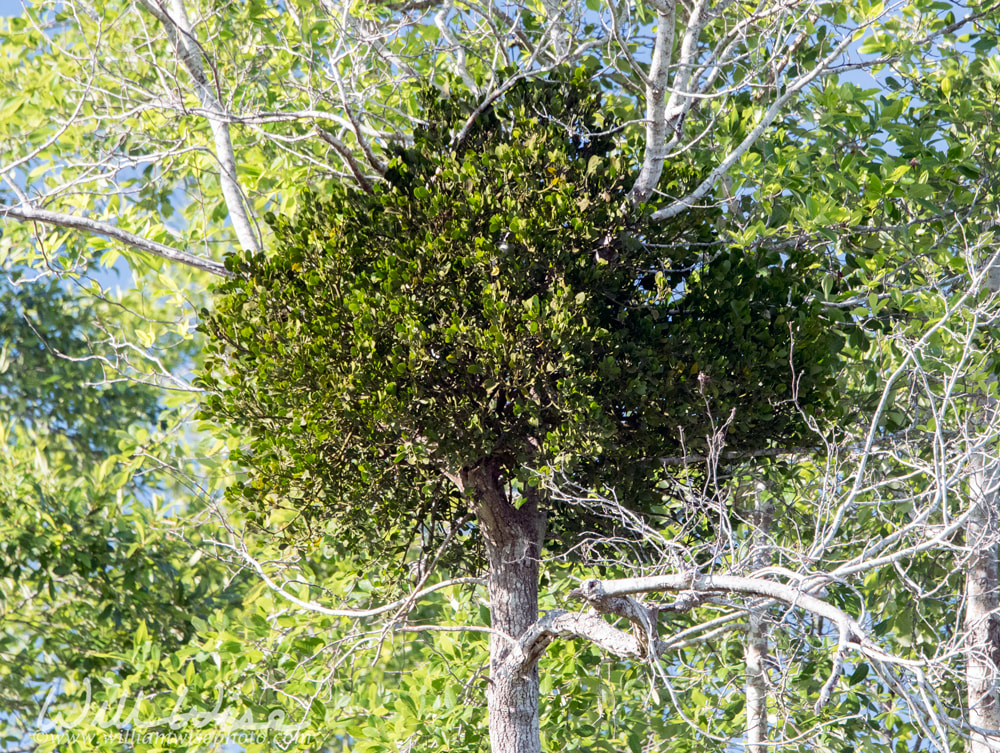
(513, 537)
(981, 620)
(756, 641)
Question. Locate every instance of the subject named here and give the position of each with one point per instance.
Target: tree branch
(656, 105)
(562, 624)
(686, 202)
(590, 626)
(31, 214)
(342, 149)
(313, 606)
(178, 29)
(596, 590)
(613, 597)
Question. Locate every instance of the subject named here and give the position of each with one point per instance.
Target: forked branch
(613, 597)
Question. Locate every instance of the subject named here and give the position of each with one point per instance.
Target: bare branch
(607, 596)
(791, 90)
(313, 606)
(96, 227)
(656, 104)
(178, 28)
(345, 153)
(562, 624)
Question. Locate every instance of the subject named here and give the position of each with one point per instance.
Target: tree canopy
(500, 298)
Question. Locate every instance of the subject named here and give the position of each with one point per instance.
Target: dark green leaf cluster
(497, 298)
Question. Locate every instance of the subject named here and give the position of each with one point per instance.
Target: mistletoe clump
(497, 299)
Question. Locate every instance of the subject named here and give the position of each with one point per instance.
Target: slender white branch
(791, 90)
(178, 28)
(313, 606)
(734, 584)
(59, 219)
(607, 597)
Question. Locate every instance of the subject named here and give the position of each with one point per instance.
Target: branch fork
(613, 597)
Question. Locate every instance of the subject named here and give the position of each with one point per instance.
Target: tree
(89, 552)
(160, 110)
(494, 308)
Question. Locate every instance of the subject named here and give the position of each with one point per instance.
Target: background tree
(90, 555)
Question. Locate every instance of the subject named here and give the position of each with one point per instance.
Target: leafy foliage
(43, 350)
(499, 298)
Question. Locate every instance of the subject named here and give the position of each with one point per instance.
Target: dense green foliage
(500, 298)
(83, 564)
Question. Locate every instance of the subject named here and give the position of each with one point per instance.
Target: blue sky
(10, 7)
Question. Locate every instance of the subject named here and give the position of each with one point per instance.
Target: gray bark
(513, 537)
(756, 641)
(982, 627)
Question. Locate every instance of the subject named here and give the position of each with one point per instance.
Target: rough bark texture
(756, 645)
(981, 619)
(513, 537)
